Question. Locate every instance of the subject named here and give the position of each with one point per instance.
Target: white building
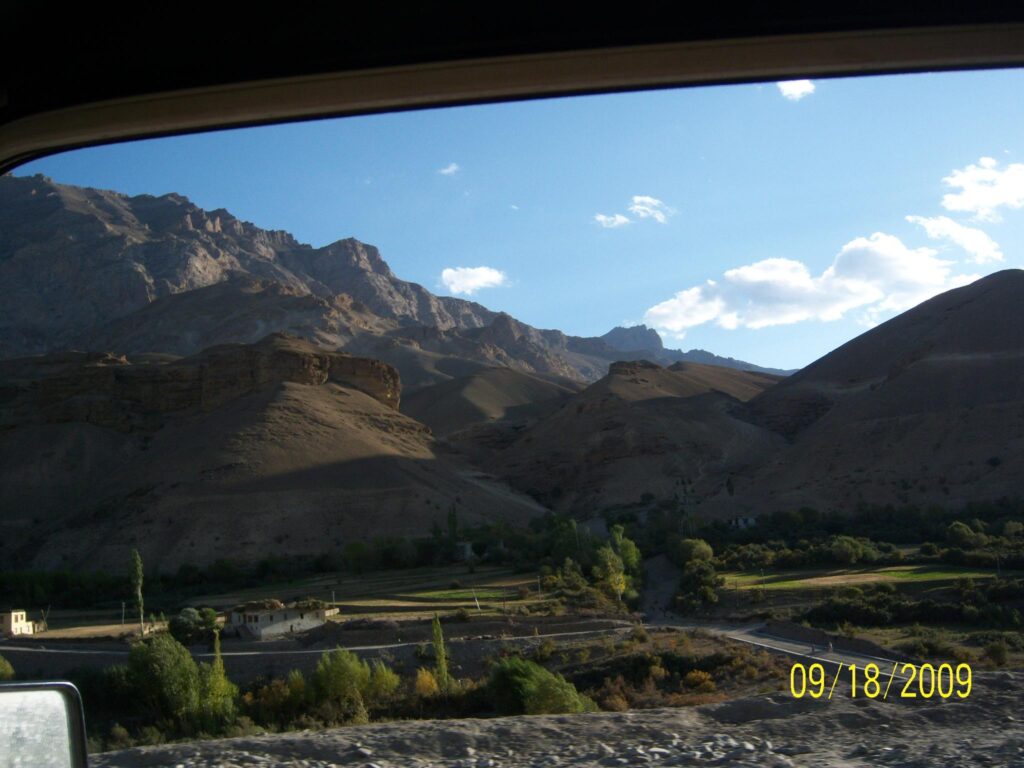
(272, 618)
(14, 623)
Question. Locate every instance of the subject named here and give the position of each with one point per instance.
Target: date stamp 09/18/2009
(905, 681)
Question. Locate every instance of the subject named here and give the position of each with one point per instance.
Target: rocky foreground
(776, 730)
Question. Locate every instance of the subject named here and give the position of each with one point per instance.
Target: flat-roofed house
(13, 623)
(261, 619)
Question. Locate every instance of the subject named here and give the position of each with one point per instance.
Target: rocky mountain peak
(359, 255)
(634, 339)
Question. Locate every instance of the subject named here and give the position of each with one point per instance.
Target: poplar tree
(440, 658)
(136, 575)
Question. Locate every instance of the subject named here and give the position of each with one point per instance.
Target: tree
(383, 684)
(217, 694)
(192, 626)
(440, 657)
(959, 534)
(692, 549)
(6, 670)
(609, 572)
(342, 680)
(136, 576)
(166, 678)
(627, 550)
(699, 586)
(518, 686)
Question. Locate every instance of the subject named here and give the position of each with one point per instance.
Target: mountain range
(93, 269)
(179, 381)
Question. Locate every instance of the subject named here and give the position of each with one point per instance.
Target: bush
(191, 626)
(699, 680)
(341, 678)
(426, 686)
(6, 670)
(692, 549)
(517, 686)
(545, 650)
(383, 684)
(165, 678)
(699, 586)
(997, 652)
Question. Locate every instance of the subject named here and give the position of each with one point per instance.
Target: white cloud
(876, 275)
(469, 280)
(514, 207)
(794, 90)
(646, 207)
(984, 188)
(610, 222)
(978, 244)
(449, 170)
(694, 306)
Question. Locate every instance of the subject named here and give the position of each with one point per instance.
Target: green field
(417, 591)
(831, 578)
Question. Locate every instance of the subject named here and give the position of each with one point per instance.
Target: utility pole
(122, 613)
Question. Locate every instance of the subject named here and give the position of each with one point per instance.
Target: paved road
(120, 654)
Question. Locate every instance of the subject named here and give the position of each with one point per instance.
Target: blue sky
(764, 222)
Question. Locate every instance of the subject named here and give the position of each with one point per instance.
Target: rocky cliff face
(93, 269)
(637, 338)
(111, 391)
(74, 259)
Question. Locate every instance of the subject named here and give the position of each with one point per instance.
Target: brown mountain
(927, 408)
(489, 395)
(641, 430)
(241, 452)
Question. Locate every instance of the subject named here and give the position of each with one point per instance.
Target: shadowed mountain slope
(240, 452)
(927, 408)
(492, 394)
(642, 430)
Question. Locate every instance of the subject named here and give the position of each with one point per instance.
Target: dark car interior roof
(89, 76)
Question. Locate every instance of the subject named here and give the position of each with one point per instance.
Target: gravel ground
(987, 729)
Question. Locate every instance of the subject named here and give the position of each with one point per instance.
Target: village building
(263, 619)
(14, 623)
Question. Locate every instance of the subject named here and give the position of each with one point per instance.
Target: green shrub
(341, 678)
(193, 626)
(6, 670)
(545, 650)
(165, 678)
(517, 686)
(383, 684)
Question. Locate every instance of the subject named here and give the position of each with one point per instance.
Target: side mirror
(42, 724)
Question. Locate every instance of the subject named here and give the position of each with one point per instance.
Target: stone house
(13, 623)
(263, 619)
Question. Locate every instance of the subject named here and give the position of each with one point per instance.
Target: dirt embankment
(775, 731)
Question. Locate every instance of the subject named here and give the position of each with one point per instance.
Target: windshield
(698, 402)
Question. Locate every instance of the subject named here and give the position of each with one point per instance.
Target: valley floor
(773, 730)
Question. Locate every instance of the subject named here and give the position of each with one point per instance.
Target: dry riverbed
(764, 731)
